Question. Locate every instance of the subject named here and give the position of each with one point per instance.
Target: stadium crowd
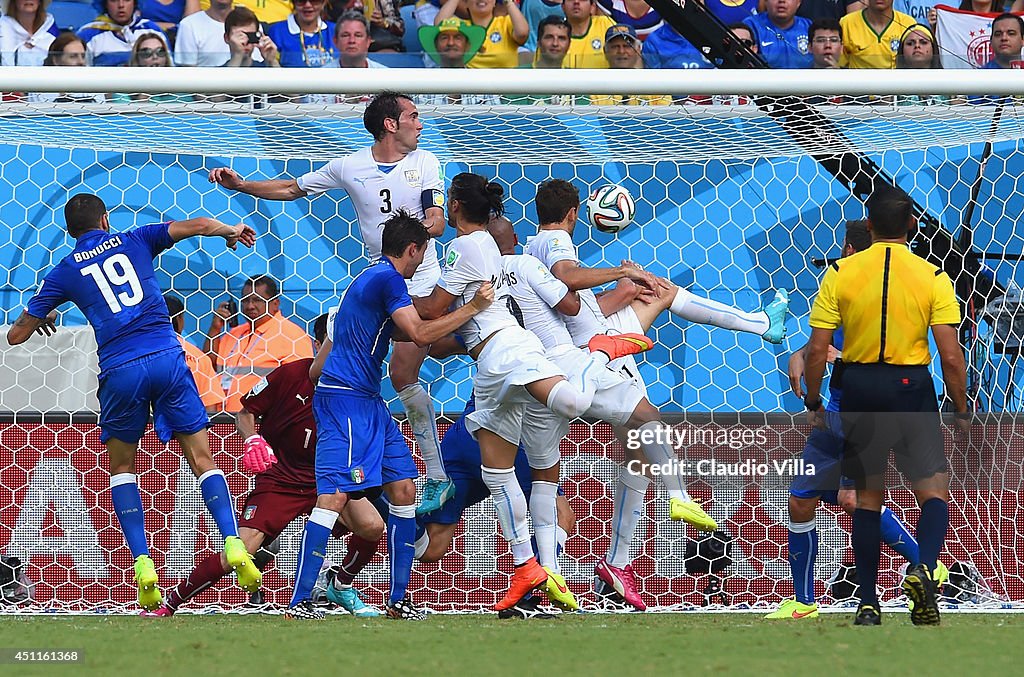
(788, 34)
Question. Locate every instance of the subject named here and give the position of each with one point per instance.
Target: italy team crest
(358, 475)
(250, 510)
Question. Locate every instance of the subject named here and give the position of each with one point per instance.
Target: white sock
(422, 419)
(660, 452)
(544, 513)
(560, 538)
(510, 504)
(421, 545)
(705, 311)
(627, 508)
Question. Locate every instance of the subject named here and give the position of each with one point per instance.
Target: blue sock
(931, 530)
(312, 552)
(124, 494)
(218, 501)
(803, 551)
(867, 548)
(401, 537)
(896, 536)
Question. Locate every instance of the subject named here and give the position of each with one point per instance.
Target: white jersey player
(512, 369)
(390, 175)
(540, 298)
(623, 310)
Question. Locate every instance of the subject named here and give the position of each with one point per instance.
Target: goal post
(730, 204)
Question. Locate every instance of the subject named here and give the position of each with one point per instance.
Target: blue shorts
(160, 382)
(461, 455)
(823, 450)
(358, 443)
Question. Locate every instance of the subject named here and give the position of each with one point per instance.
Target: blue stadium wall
(731, 230)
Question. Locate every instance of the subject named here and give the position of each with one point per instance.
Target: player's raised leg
(406, 361)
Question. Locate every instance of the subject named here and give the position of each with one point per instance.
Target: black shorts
(890, 407)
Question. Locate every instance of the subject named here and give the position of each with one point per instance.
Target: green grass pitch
(447, 645)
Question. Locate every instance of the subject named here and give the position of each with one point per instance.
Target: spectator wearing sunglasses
(151, 51)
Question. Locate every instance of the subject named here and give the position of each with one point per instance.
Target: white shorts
(512, 358)
(625, 321)
(617, 394)
(423, 281)
(543, 431)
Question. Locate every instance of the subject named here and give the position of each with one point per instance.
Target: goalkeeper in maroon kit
(282, 456)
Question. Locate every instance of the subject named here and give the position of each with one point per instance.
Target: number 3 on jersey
(385, 198)
(116, 271)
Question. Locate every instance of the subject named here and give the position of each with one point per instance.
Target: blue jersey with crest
(362, 328)
(110, 277)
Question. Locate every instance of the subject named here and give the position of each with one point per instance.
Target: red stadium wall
(54, 502)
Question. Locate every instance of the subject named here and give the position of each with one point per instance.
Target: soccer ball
(610, 208)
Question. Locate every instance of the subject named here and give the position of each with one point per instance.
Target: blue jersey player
(824, 451)
(359, 448)
(110, 277)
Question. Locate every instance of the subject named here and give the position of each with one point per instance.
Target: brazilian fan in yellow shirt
(505, 34)
(588, 27)
(871, 37)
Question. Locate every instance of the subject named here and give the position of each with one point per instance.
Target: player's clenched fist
(484, 296)
(226, 177)
(258, 456)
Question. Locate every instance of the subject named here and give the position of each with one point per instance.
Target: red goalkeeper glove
(258, 455)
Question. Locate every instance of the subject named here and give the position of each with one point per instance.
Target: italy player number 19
(117, 270)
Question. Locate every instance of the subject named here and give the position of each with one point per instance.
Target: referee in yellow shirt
(886, 298)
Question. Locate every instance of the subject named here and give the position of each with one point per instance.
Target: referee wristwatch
(812, 405)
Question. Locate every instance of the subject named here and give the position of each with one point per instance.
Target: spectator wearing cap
(207, 381)
(504, 35)
(110, 37)
(452, 43)
(666, 48)
(782, 35)
(622, 49)
(588, 25)
(304, 39)
(26, 32)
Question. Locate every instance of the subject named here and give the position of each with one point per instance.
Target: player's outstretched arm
(271, 189)
(207, 227)
(576, 277)
(23, 327)
(424, 332)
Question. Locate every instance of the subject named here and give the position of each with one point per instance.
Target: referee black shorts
(890, 407)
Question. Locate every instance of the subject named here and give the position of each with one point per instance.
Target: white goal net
(734, 199)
